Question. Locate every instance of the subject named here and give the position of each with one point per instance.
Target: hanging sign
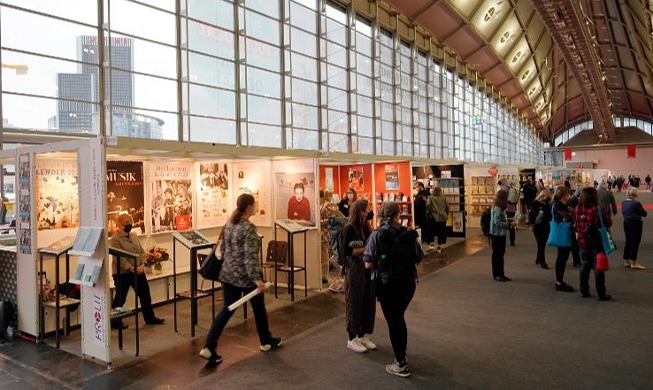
(567, 153)
(632, 151)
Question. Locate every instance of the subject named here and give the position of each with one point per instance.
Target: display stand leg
(136, 308)
(291, 274)
(56, 302)
(174, 285)
(275, 266)
(193, 291)
(305, 268)
(67, 279)
(41, 302)
(120, 336)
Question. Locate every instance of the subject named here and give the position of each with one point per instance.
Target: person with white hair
(633, 214)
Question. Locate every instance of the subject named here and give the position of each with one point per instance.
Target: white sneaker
(356, 346)
(438, 250)
(366, 342)
(398, 370)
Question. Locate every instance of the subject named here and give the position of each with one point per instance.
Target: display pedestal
(55, 250)
(117, 315)
(292, 229)
(194, 241)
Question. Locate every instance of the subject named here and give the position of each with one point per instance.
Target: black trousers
(588, 262)
(395, 298)
(561, 263)
(541, 233)
(575, 249)
(440, 230)
(498, 254)
(232, 294)
(511, 229)
(123, 282)
(633, 230)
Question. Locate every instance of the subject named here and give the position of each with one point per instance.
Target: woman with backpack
(437, 211)
(499, 225)
(360, 304)
(539, 217)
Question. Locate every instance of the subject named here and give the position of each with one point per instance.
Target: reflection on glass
(212, 130)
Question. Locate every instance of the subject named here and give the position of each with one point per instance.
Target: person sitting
(127, 240)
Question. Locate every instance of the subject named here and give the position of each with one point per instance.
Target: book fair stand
(70, 194)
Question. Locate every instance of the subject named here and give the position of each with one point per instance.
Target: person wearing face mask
(347, 201)
(127, 240)
(299, 208)
(360, 305)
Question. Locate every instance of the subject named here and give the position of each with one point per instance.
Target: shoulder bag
(560, 233)
(212, 265)
(609, 245)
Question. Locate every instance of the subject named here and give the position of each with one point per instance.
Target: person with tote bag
(562, 214)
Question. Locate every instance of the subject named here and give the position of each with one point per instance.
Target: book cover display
(125, 194)
(214, 199)
(170, 197)
(254, 178)
(295, 193)
(57, 195)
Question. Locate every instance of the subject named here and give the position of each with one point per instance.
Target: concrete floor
(466, 331)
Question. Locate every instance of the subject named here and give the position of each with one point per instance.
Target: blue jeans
(232, 294)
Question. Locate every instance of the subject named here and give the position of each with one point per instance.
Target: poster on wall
(125, 194)
(254, 178)
(295, 191)
(355, 179)
(214, 197)
(57, 195)
(392, 177)
(457, 222)
(170, 198)
(328, 176)
(25, 212)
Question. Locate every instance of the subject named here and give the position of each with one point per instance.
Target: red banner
(632, 151)
(567, 154)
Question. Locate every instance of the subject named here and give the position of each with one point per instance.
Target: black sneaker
(211, 356)
(564, 287)
(605, 297)
(585, 294)
(275, 342)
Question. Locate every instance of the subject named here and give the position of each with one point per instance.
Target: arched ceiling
(559, 62)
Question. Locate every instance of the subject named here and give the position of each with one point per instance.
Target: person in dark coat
(633, 213)
(420, 195)
(539, 217)
(360, 297)
(562, 213)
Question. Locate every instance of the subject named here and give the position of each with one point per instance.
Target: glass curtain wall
(296, 74)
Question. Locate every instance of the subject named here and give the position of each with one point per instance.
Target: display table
(55, 250)
(194, 241)
(292, 229)
(118, 315)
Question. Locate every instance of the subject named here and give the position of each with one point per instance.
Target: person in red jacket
(298, 205)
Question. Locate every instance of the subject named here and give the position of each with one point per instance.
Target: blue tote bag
(559, 234)
(609, 245)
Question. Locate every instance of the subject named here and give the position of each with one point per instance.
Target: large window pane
(212, 130)
(84, 11)
(128, 17)
(210, 40)
(263, 83)
(262, 28)
(216, 12)
(41, 114)
(264, 110)
(211, 71)
(304, 91)
(304, 139)
(263, 135)
(148, 92)
(304, 116)
(302, 17)
(212, 102)
(261, 54)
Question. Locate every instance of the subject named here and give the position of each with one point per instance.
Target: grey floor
(466, 331)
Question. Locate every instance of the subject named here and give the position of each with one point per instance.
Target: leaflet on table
(291, 226)
(59, 246)
(191, 238)
(87, 241)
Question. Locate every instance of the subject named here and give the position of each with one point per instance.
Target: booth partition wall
(289, 74)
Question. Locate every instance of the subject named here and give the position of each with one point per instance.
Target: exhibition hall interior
(147, 120)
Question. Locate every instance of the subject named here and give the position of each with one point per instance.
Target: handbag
(609, 245)
(212, 265)
(602, 263)
(559, 234)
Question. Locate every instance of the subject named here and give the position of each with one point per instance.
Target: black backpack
(486, 220)
(400, 252)
(336, 228)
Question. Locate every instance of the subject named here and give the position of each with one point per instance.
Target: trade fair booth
(482, 183)
(70, 194)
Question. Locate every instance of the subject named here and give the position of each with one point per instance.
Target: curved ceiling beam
(568, 32)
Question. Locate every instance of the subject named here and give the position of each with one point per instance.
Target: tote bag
(560, 233)
(609, 245)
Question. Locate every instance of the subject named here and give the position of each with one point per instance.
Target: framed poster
(170, 196)
(392, 177)
(328, 177)
(254, 178)
(214, 198)
(125, 194)
(295, 191)
(57, 195)
(355, 179)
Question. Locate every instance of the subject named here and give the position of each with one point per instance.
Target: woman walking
(562, 213)
(539, 217)
(589, 239)
(499, 225)
(241, 273)
(360, 304)
(634, 214)
(437, 210)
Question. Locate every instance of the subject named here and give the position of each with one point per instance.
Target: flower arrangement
(155, 256)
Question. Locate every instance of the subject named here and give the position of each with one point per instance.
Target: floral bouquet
(155, 256)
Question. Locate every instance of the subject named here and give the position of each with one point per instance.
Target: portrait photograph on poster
(355, 179)
(171, 205)
(57, 195)
(125, 194)
(254, 178)
(214, 197)
(295, 192)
